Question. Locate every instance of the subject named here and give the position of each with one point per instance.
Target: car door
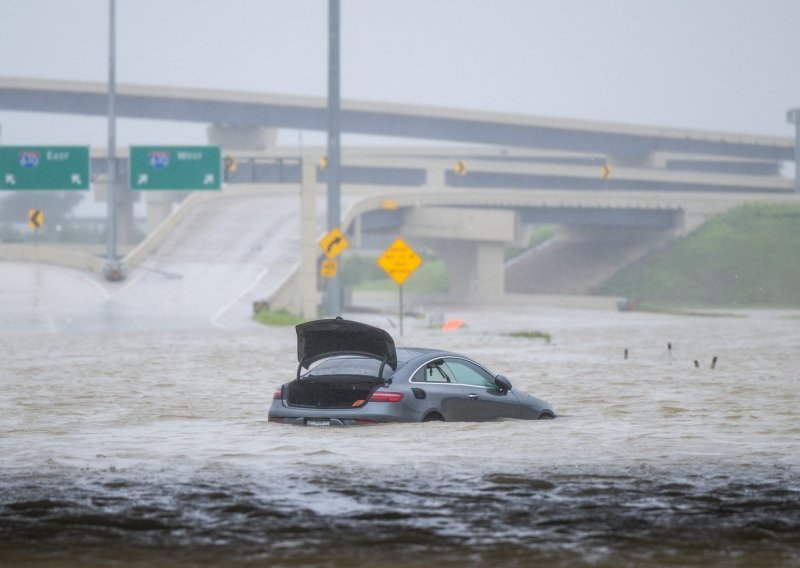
(484, 401)
(440, 391)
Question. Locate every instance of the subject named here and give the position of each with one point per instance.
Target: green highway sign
(44, 167)
(175, 167)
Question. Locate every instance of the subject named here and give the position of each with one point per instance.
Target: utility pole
(112, 269)
(333, 299)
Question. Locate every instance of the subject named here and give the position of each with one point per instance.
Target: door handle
(473, 396)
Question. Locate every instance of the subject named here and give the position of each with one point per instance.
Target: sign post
(399, 261)
(175, 168)
(44, 167)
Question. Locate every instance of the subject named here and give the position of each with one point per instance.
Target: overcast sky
(729, 65)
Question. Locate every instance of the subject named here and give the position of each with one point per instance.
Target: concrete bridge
(248, 121)
(470, 229)
(629, 187)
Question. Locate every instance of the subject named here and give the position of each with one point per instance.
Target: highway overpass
(236, 112)
(520, 170)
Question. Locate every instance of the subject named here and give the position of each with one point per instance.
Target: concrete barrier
(60, 256)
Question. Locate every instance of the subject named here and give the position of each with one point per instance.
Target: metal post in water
(333, 300)
(112, 269)
(401, 308)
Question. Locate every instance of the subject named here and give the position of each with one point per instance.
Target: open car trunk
(330, 392)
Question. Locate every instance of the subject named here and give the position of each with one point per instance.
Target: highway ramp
(223, 254)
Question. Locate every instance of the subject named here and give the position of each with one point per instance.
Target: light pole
(334, 295)
(112, 268)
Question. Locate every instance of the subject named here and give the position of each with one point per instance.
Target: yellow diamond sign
(399, 261)
(333, 243)
(328, 269)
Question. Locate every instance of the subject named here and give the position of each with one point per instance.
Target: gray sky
(727, 65)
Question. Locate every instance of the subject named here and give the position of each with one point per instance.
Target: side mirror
(503, 383)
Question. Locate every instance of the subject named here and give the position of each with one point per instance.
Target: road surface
(223, 255)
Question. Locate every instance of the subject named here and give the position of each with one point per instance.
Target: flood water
(153, 449)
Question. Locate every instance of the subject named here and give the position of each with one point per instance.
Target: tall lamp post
(334, 295)
(112, 268)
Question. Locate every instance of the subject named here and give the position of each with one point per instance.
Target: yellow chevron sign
(35, 218)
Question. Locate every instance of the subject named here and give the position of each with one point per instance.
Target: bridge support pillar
(235, 137)
(308, 239)
(125, 199)
(474, 269)
(793, 117)
(644, 160)
(159, 207)
(471, 242)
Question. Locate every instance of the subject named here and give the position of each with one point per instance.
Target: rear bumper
(373, 412)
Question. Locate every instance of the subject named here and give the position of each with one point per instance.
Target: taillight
(386, 397)
(277, 395)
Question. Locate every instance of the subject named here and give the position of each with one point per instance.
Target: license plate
(318, 422)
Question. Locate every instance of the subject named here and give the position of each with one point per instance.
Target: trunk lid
(321, 339)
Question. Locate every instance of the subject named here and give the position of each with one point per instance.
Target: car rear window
(349, 365)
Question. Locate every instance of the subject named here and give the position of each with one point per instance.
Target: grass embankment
(535, 334)
(280, 317)
(747, 257)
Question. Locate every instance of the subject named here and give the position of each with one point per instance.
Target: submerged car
(351, 373)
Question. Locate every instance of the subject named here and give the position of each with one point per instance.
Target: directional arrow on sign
(35, 218)
(333, 243)
(45, 167)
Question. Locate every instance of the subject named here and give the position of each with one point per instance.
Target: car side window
(431, 374)
(467, 373)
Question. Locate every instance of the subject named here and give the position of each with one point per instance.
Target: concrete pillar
(489, 283)
(159, 207)
(641, 160)
(238, 137)
(475, 269)
(123, 209)
(436, 176)
(471, 242)
(793, 117)
(308, 239)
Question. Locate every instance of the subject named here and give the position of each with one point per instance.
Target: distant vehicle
(351, 373)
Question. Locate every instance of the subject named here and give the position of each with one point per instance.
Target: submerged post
(112, 269)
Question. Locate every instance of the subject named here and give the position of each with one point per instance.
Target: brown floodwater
(153, 449)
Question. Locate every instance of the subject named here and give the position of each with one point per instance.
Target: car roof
(360, 364)
(410, 354)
